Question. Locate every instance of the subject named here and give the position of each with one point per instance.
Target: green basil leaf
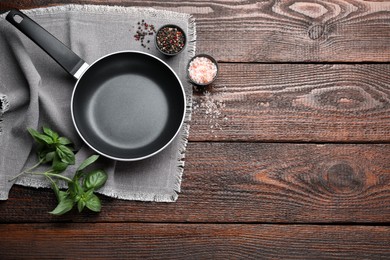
(64, 141)
(63, 206)
(88, 162)
(33, 132)
(66, 155)
(80, 205)
(42, 153)
(40, 138)
(62, 195)
(78, 175)
(76, 191)
(95, 179)
(94, 203)
(88, 194)
(49, 157)
(58, 165)
(51, 133)
(56, 191)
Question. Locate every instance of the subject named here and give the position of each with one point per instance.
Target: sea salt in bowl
(202, 70)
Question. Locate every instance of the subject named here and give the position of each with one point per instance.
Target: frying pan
(126, 106)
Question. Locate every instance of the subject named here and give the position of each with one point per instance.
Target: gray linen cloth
(35, 91)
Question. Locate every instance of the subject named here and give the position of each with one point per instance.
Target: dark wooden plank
(270, 30)
(295, 102)
(249, 182)
(200, 241)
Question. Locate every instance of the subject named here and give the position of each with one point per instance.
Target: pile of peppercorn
(170, 39)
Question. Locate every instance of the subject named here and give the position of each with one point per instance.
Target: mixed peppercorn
(170, 40)
(144, 29)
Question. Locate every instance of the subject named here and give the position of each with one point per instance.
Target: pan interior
(128, 105)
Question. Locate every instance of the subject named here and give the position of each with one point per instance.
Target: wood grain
(276, 31)
(295, 103)
(249, 182)
(201, 241)
(234, 183)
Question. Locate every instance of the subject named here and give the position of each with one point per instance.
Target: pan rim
(133, 158)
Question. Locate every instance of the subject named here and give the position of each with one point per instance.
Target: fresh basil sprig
(55, 150)
(81, 189)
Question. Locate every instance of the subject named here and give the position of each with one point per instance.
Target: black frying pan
(126, 106)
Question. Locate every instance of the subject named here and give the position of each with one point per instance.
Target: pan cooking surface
(128, 105)
(128, 111)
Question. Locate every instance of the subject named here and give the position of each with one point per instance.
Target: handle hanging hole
(18, 18)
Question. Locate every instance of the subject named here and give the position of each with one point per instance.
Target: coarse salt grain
(212, 105)
(202, 70)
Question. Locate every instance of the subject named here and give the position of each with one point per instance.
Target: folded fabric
(35, 91)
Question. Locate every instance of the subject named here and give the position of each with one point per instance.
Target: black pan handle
(70, 61)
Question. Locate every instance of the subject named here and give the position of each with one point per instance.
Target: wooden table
(292, 160)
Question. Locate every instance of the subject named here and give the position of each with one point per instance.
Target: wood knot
(312, 10)
(343, 179)
(352, 99)
(316, 31)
